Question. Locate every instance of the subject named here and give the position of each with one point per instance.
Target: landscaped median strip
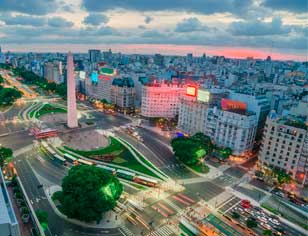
(141, 158)
(74, 154)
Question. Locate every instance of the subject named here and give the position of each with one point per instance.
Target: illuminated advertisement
(82, 75)
(229, 105)
(94, 77)
(191, 91)
(203, 95)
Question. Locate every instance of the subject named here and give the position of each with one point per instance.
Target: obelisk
(72, 121)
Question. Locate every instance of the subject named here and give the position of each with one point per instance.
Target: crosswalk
(163, 231)
(125, 231)
(172, 205)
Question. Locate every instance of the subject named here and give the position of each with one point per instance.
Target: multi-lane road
(31, 167)
(38, 199)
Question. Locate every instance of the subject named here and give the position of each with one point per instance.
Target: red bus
(46, 133)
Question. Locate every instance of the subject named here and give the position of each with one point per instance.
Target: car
(258, 208)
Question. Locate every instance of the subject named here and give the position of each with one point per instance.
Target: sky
(234, 28)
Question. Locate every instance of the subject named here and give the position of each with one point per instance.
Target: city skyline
(232, 28)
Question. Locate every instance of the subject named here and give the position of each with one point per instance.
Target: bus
(70, 158)
(60, 160)
(146, 181)
(85, 162)
(46, 133)
(108, 169)
(126, 174)
(188, 229)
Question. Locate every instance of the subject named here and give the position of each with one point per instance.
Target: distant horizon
(164, 49)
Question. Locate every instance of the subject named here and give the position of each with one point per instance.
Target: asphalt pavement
(56, 225)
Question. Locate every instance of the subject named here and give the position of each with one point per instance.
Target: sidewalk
(25, 229)
(109, 220)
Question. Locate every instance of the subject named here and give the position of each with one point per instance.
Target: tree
(42, 217)
(267, 232)
(87, 192)
(251, 223)
(281, 176)
(1, 79)
(191, 150)
(186, 150)
(5, 153)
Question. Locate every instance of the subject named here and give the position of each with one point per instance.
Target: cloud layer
(281, 24)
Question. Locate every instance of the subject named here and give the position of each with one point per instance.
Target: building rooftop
(295, 122)
(124, 82)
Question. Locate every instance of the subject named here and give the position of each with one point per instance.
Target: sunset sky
(234, 28)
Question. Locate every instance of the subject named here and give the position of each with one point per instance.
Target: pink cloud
(166, 49)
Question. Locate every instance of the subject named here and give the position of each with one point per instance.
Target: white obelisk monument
(72, 121)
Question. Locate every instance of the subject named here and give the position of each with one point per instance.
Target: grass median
(115, 153)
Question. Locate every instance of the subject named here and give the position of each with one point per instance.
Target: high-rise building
(94, 55)
(108, 56)
(2, 57)
(72, 120)
(8, 222)
(123, 94)
(285, 146)
(98, 85)
(52, 71)
(268, 66)
(193, 112)
(161, 99)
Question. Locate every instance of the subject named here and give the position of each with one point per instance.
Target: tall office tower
(2, 57)
(94, 55)
(72, 121)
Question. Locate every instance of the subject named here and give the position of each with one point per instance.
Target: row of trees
(8, 95)
(190, 150)
(87, 192)
(31, 78)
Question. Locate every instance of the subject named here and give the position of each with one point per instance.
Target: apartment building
(285, 146)
(233, 129)
(123, 94)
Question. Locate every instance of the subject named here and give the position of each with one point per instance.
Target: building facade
(123, 94)
(161, 99)
(53, 72)
(193, 110)
(258, 104)
(231, 129)
(192, 116)
(8, 222)
(285, 146)
(99, 89)
(94, 55)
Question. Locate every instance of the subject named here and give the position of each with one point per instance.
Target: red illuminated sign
(227, 105)
(191, 91)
